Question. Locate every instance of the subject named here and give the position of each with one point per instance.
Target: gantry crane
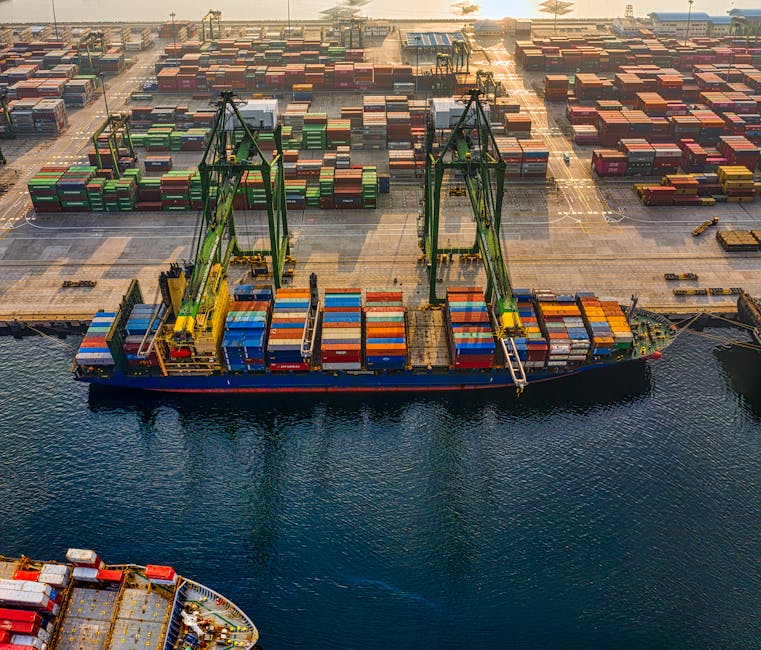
(472, 151)
(213, 17)
(488, 86)
(91, 43)
(117, 136)
(225, 161)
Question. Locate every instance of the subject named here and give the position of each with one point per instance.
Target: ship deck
(140, 615)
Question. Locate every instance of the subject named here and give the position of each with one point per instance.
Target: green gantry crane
(212, 18)
(472, 151)
(225, 161)
(117, 134)
(91, 43)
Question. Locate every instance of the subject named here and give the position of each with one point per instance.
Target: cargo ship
(268, 338)
(290, 341)
(84, 603)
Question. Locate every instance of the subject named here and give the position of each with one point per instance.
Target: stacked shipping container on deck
(532, 348)
(385, 331)
(245, 338)
(93, 350)
(470, 332)
(141, 326)
(289, 323)
(567, 335)
(342, 330)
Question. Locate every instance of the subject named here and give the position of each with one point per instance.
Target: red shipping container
(110, 575)
(158, 572)
(287, 366)
(19, 615)
(19, 627)
(32, 576)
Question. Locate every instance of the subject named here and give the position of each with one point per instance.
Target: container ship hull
(289, 345)
(411, 381)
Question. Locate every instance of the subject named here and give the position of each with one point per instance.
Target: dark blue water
(619, 510)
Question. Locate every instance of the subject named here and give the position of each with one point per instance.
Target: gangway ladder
(513, 363)
(159, 319)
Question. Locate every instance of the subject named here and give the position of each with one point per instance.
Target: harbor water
(620, 509)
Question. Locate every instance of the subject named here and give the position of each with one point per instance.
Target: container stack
(568, 338)
(512, 154)
(640, 156)
(43, 189)
(556, 87)
(369, 187)
(739, 151)
(49, 116)
(93, 350)
(175, 191)
(533, 347)
(597, 325)
(347, 188)
(141, 322)
(341, 347)
(338, 133)
(374, 125)
(535, 159)
(289, 323)
(470, 332)
(245, 338)
(72, 188)
(609, 162)
(402, 165)
(623, 339)
(314, 134)
(385, 331)
(737, 184)
(517, 125)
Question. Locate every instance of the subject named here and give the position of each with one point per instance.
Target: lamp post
(689, 16)
(55, 22)
(417, 60)
(289, 18)
(174, 32)
(105, 99)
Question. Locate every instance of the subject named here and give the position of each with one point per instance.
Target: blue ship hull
(339, 382)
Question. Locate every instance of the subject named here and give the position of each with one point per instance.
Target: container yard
(353, 135)
(86, 603)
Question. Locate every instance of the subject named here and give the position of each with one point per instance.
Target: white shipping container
(342, 366)
(25, 585)
(82, 556)
(54, 580)
(86, 574)
(25, 599)
(173, 581)
(55, 569)
(31, 641)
